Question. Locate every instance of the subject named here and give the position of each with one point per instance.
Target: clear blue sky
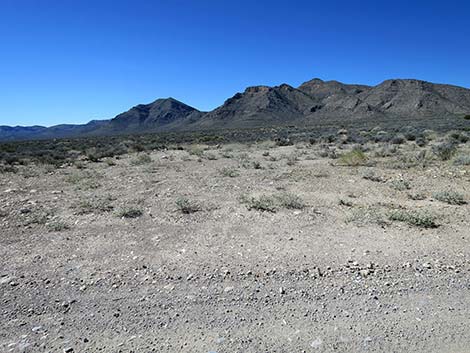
(70, 61)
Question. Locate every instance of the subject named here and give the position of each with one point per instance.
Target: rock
(364, 273)
(282, 291)
(68, 350)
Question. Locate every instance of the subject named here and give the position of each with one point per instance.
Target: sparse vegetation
(463, 159)
(419, 219)
(450, 197)
(445, 150)
(353, 158)
(129, 212)
(274, 202)
(261, 203)
(229, 172)
(187, 206)
(57, 226)
(141, 160)
(400, 184)
(94, 205)
(290, 201)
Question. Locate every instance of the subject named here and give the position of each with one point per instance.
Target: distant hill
(312, 102)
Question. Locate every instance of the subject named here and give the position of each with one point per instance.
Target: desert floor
(238, 248)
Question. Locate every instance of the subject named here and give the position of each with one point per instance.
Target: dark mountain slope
(312, 102)
(258, 106)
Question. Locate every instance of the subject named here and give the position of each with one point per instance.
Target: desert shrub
(353, 158)
(421, 141)
(8, 169)
(370, 175)
(94, 205)
(419, 219)
(141, 160)
(458, 137)
(187, 206)
(210, 156)
(467, 117)
(462, 160)
(445, 150)
(57, 226)
(382, 136)
(110, 162)
(196, 150)
(229, 172)
(417, 196)
(398, 139)
(364, 215)
(283, 141)
(400, 184)
(129, 212)
(257, 165)
(262, 203)
(292, 159)
(386, 150)
(450, 197)
(290, 201)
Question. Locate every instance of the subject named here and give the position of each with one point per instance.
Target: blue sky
(70, 61)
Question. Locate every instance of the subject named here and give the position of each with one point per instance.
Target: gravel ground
(173, 253)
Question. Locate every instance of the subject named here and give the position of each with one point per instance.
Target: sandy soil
(326, 270)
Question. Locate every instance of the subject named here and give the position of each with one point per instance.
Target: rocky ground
(238, 248)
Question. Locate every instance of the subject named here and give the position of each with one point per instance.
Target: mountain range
(313, 102)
